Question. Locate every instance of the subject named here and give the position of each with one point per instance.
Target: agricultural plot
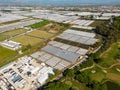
(39, 24)
(40, 34)
(5, 53)
(14, 32)
(26, 40)
(3, 37)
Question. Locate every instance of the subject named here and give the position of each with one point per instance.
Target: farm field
(5, 53)
(3, 37)
(40, 34)
(26, 40)
(14, 32)
(40, 24)
(6, 35)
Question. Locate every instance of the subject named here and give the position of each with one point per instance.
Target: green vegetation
(6, 54)
(3, 37)
(14, 32)
(57, 86)
(88, 63)
(110, 56)
(6, 35)
(112, 86)
(95, 73)
(40, 34)
(26, 40)
(40, 24)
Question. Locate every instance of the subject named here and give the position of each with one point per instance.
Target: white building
(44, 74)
(11, 44)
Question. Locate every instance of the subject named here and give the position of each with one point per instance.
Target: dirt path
(105, 52)
(103, 68)
(116, 64)
(87, 68)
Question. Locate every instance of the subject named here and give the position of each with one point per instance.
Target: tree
(69, 73)
(56, 86)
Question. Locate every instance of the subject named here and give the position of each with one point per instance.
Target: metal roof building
(64, 54)
(86, 34)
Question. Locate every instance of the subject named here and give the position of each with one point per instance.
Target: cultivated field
(26, 40)
(40, 34)
(5, 53)
(12, 33)
(40, 24)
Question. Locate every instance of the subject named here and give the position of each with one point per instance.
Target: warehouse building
(11, 44)
(64, 54)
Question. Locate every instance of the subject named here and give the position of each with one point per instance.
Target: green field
(5, 54)
(112, 86)
(6, 35)
(40, 24)
(98, 75)
(108, 57)
(40, 34)
(75, 84)
(14, 32)
(3, 37)
(26, 40)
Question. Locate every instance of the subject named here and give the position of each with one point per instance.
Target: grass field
(76, 85)
(6, 35)
(5, 53)
(98, 75)
(14, 32)
(114, 77)
(112, 86)
(108, 56)
(40, 34)
(113, 74)
(26, 40)
(3, 37)
(40, 24)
